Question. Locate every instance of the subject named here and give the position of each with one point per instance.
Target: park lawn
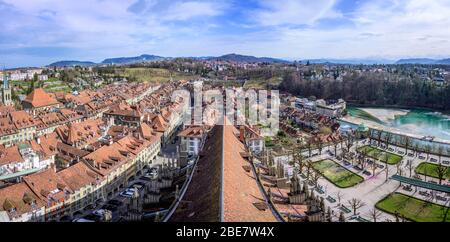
(378, 154)
(156, 74)
(413, 209)
(337, 174)
(430, 169)
(262, 83)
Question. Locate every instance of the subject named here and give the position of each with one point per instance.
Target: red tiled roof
(39, 98)
(241, 190)
(20, 196)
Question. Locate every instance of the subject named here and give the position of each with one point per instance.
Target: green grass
(261, 83)
(378, 154)
(413, 209)
(429, 169)
(155, 74)
(337, 174)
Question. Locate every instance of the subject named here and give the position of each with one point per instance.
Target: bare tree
(416, 149)
(441, 171)
(308, 169)
(355, 204)
(341, 217)
(407, 141)
(410, 166)
(335, 144)
(374, 168)
(349, 143)
(309, 146)
(379, 133)
(364, 153)
(371, 133)
(316, 177)
(329, 214)
(440, 152)
(375, 214)
(339, 196)
(387, 139)
(428, 151)
(320, 145)
(387, 171)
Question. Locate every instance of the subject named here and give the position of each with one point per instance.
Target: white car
(83, 220)
(127, 193)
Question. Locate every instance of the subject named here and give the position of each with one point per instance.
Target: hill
(246, 58)
(71, 63)
(130, 60)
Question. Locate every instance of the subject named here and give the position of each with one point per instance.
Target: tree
(428, 151)
(387, 171)
(379, 134)
(316, 177)
(440, 152)
(308, 169)
(320, 145)
(374, 168)
(375, 214)
(335, 144)
(329, 214)
(341, 217)
(355, 204)
(407, 141)
(364, 153)
(410, 166)
(387, 139)
(441, 171)
(309, 146)
(32, 84)
(416, 149)
(339, 196)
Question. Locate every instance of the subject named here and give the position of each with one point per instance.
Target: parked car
(115, 202)
(446, 162)
(110, 207)
(127, 193)
(367, 173)
(82, 220)
(425, 194)
(433, 160)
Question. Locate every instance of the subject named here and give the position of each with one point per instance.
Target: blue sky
(38, 32)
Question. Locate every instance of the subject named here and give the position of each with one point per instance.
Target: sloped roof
(39, 98)
(201, 202)
(241, 191)
(19, 196)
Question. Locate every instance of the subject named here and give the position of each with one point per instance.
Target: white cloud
(380, 28)
(296, 12)
(192, 9)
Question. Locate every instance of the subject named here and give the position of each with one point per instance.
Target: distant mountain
(349, 61)
(71, 63)
(444, 61)
(246, 58)
(131, 60)
(416, 61)
(424, 61)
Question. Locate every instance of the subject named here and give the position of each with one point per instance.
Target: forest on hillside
(372, 89)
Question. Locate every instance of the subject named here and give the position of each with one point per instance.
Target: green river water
(416, 121)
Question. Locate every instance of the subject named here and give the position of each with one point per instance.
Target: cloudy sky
(38, 32)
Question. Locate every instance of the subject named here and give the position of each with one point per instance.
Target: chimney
(242, 133)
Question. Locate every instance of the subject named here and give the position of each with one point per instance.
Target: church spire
(5, 79)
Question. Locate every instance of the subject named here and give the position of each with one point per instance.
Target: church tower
(6, 90)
